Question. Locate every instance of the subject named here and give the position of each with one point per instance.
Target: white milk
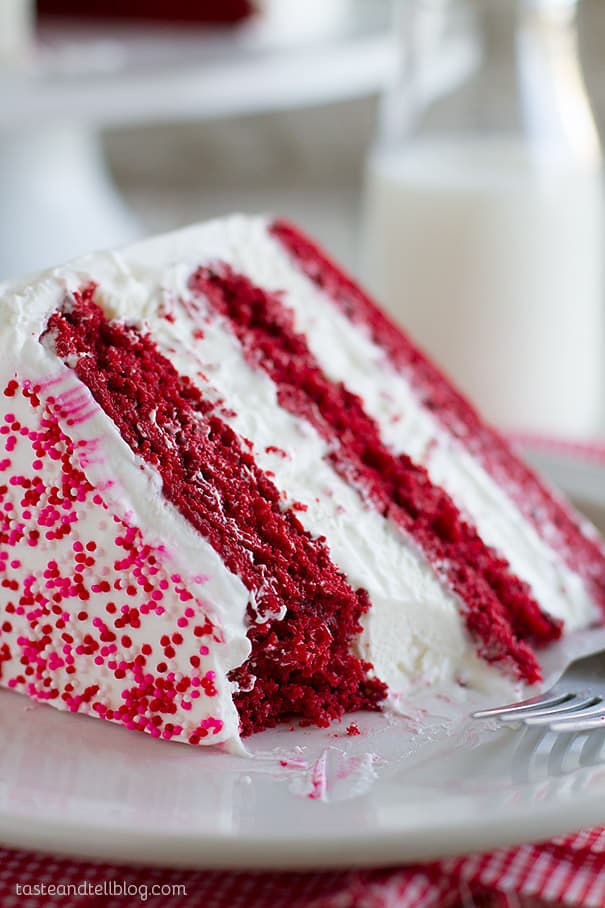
(496, 270)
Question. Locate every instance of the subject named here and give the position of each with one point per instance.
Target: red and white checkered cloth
(567, 871)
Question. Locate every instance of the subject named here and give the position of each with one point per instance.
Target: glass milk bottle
(484, 219)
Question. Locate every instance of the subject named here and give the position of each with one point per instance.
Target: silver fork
(575, 703)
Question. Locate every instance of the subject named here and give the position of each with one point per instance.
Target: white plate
(404, 789)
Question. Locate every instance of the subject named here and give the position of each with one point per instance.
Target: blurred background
(447, 151)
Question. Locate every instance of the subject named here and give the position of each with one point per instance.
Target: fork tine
(542, 701)
(590, 723)
(540, 710)
(566, 711)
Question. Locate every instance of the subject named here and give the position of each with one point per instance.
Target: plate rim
(143, 847)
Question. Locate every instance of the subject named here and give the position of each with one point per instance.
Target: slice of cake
(233, 492)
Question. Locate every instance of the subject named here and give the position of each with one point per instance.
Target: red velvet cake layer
(537, 504)
(299, 665)
(497, 606)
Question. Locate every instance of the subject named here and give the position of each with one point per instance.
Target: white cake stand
(57, 197)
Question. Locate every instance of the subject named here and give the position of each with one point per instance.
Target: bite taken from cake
(232, 492)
